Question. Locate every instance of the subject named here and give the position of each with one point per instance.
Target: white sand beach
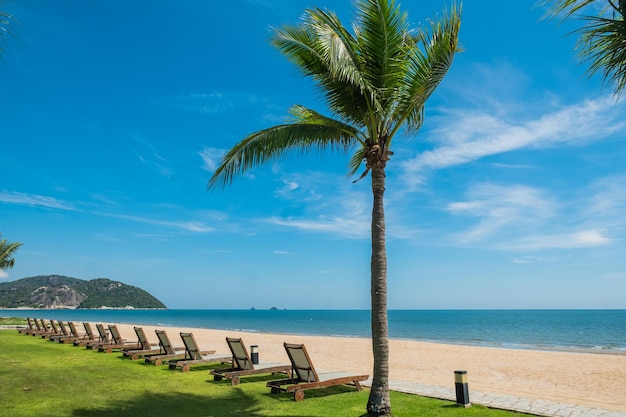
(587, 379)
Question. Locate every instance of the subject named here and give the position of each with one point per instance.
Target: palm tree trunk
(378, 403)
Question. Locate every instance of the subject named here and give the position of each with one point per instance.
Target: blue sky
(114, 114)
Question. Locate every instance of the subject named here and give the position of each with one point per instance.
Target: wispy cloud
(281, 252)
(574, 240)
(211, 158)
(190, 226)
(466, 135)
(498, 207)
(35, 200)
(211, 103)
(336, 225)
(3, 274)
(523, 218)
(220, 102)
(149, 154)
(619, 275)
(339, 209)
(534, 259)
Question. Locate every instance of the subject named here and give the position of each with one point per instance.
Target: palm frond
(603, 45)
(602, 42)
(7, 250)
(566, 8)
(428, 67)
(356, 160)
(381, 41)
(323, 49)
(308, 130)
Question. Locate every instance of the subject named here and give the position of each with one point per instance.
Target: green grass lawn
(42, 378)
(12, 321)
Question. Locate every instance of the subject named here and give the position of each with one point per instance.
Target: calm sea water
(601, 330)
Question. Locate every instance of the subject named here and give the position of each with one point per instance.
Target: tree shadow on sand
(236, 403)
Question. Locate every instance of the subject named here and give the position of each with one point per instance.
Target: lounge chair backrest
(31, 323)
(104, 337)
(73, 329)
(115, 334)
(44, 325)
(63, 328)
(301, 364)
(240, 353)
(164, 341)
(53, 327)
(191, 347)
(141, 336)
(38, 324)
(89, 331)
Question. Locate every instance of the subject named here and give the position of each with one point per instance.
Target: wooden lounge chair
(63, 332)
(168, 350)
(90, 336)
(40, 327)
(145, 347)
(35, 327)
(193, 355)
(103, 338)
(304, 375)
(52, 330)
(74, 334)
(243, 366)
(30, 325)
(117, 343)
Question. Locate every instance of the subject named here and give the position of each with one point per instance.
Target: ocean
(569, 330)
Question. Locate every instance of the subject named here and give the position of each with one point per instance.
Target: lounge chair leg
(217, 377)
(185, 368)
(298, 395)
(235, 380)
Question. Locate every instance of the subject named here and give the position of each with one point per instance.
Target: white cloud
(34, 200)
(522, 218)
(211, 158)
(337, 225)
(534, 259)
(468, 135)
(3, 274)
(281, 252)
(620, 275)
(287, 188)
(574, 240)
(500, 207)
(190, 226)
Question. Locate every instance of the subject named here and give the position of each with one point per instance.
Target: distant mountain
(57, 291)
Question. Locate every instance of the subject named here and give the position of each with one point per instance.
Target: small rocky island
(58, 291)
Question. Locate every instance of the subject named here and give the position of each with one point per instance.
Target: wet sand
(576, 378)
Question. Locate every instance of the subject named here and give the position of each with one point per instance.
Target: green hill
(57, 291)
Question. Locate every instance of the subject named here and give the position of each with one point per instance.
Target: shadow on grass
(236, 403)
(315, 393)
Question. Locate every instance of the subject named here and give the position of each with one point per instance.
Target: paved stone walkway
(505, 402)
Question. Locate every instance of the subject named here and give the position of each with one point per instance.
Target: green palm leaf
(308, 130)
(6, 253)
(602, 42)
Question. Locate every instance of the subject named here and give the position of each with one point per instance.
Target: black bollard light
(254, 354)
(462, 392)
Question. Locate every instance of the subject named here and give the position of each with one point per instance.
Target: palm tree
(375, 81)
(6, 253)
(602, 41)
